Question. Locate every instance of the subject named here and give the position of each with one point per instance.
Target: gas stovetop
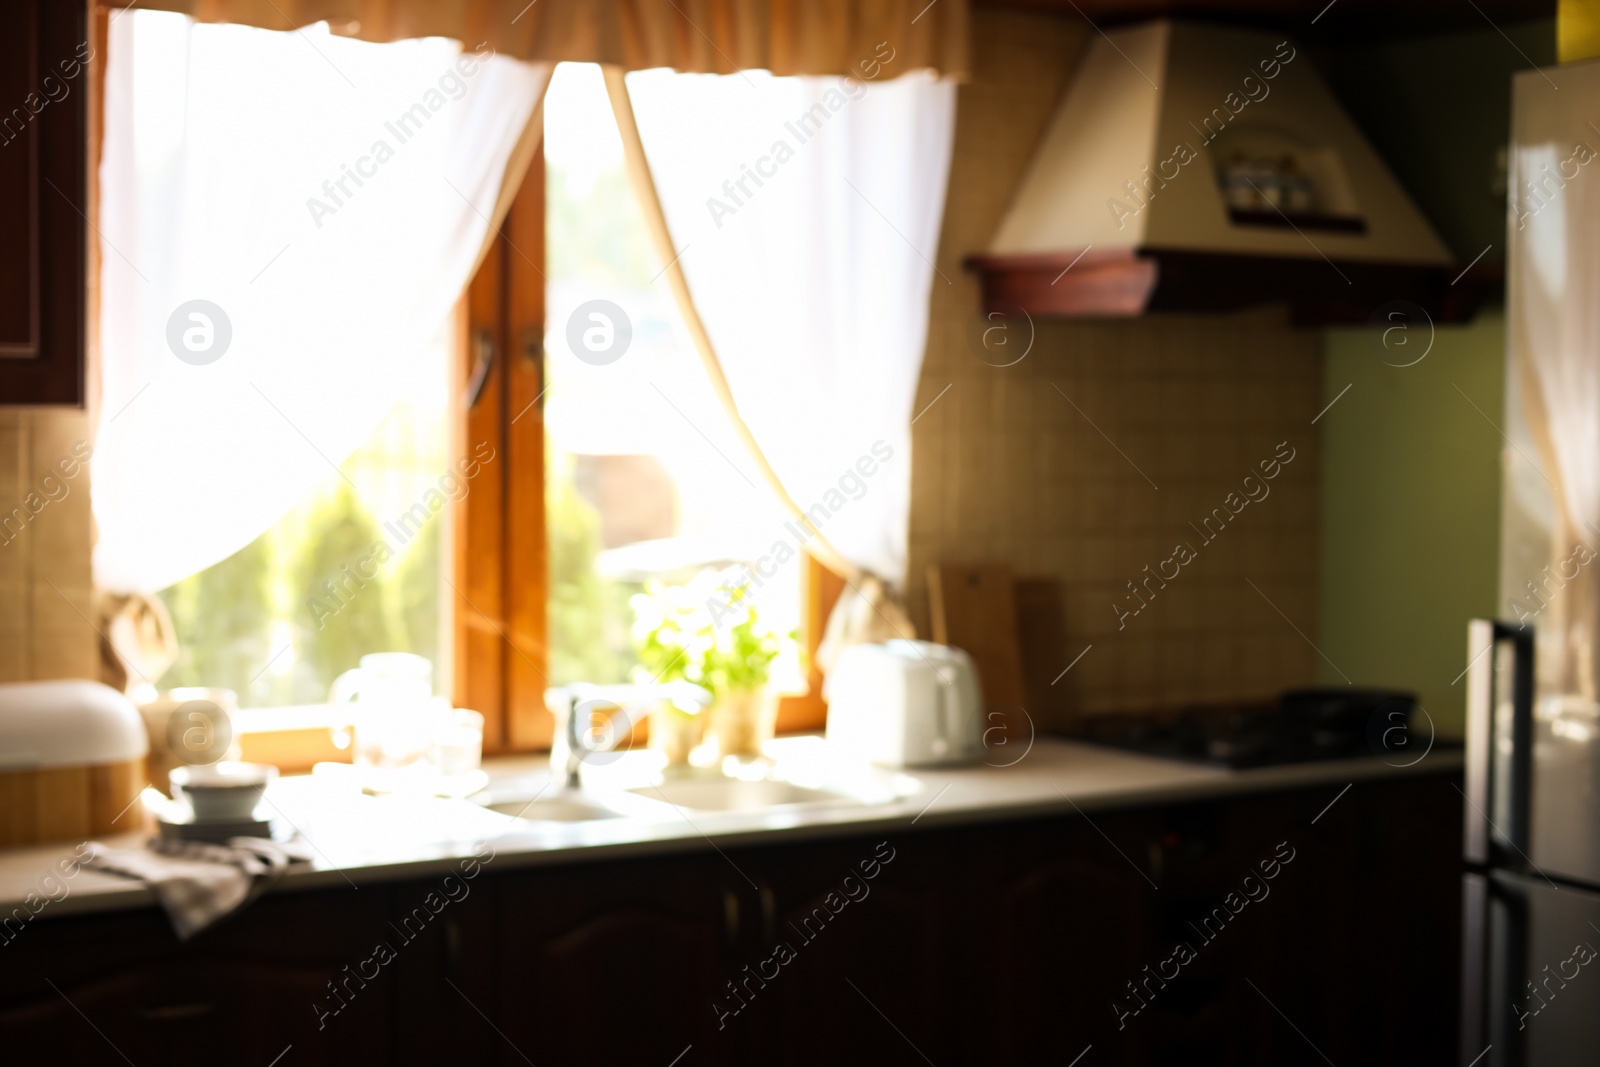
(1305, 726)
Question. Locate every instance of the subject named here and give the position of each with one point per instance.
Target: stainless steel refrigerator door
(1532, 973)
(1565, 822)
(1550, 536)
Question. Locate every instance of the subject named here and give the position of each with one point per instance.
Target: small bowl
(222, 791)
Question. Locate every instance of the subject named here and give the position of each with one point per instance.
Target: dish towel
(199, 883)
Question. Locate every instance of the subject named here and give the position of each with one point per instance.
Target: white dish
(222, 791)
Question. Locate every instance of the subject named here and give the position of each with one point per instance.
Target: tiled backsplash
(1087, 461)
(45, 585)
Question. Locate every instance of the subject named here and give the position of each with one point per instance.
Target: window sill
(292, 738)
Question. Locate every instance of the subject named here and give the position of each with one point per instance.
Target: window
(357, 567)
(645, 479)
(319, 279)
(597, 477)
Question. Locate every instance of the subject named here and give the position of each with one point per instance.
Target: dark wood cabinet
(1311, 931)
(853, 949)
(617, 962)
(1362, 950)
(117, 988)
(45, 59)
(1062, 922)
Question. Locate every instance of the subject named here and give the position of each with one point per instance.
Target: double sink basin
(705, 795)
(641, 792)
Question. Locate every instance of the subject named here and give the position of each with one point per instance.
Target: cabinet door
(1201, 857)
(45, 58)
(1064, 921)
(445, 980)
(118, 988)
(844, 968)
(1358, 946)
(617, 962)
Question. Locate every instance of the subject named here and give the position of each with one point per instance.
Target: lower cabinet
(617, 963)
(1359, 947)
(1271, 929)
(851, 949)
(115, 989)
(1061, 923)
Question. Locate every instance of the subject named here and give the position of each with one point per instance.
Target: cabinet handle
(769, 915)
(730, 915)
(1506, 844)
(171, 1013)
(452, 945)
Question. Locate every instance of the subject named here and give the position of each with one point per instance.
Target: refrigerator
(1531, 842)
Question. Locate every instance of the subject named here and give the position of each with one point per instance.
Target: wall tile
(43, 635)
(1006, 469)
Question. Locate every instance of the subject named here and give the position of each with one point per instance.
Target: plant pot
(743, 720)
(674, 732)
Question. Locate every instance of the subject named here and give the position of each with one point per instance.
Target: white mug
(392, 708)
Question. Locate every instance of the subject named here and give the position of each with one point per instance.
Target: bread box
(71, 761)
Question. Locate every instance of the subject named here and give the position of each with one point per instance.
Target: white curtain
(806, 212)
(327, 199)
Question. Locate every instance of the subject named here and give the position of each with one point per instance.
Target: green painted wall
(1410, 506)
(1411, 471)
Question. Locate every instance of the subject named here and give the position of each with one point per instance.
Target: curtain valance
(690, 36)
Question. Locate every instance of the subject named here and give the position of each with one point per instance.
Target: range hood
(1205, 168)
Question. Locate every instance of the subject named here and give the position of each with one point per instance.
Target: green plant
(707, 632)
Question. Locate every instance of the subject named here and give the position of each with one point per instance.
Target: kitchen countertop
(366, 840)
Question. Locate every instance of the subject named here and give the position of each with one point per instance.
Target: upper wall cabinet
(45, 55)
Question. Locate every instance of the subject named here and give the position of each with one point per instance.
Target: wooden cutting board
(974, 608)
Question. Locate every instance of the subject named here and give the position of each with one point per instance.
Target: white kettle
(905, 704)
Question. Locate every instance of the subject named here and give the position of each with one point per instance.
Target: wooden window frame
(501, 558)
(819, 592)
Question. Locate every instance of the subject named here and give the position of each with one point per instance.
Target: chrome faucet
(574, 709)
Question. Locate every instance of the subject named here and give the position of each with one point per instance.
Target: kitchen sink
(731, 794)
(637, 788)
(554, 809)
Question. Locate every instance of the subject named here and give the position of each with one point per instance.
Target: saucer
(213, 831)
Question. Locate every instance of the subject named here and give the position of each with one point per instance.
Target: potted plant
(709, 632)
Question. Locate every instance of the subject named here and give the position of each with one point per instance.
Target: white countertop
(362, 839)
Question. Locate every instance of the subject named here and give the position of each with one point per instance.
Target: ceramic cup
(456, 745)
(223, 792)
